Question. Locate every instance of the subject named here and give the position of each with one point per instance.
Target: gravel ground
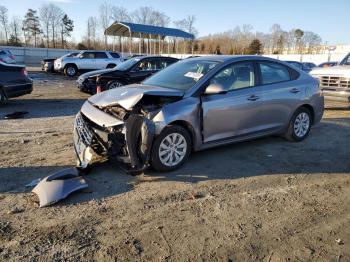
(264, 200)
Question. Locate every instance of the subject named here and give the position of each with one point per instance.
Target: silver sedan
(196, 104)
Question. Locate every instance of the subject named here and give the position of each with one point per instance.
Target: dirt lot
(265, 200)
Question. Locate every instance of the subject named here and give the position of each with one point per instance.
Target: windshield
(181, 75)
(346, 60)
(127, 64)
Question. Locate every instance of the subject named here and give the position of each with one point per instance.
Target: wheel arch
(311, 109)
(71, 64)
(111, 65)
(188, 127)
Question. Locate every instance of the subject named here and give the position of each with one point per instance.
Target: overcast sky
(330, 19)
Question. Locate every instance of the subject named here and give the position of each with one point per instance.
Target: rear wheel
(114, 84)
(300, 125)
(171, 149)
(70, 70)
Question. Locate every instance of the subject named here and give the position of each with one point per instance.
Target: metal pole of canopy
(140, 44)
(168, 46)
(184, 52)
(130, 42)
(159, 45)
(121, 41)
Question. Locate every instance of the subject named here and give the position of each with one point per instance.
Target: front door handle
(253, 98)
(294, 90)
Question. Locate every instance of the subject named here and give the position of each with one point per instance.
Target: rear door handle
(253, 98)
(294, 90)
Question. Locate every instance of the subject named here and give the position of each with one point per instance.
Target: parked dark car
(132, 71)
(300, 66)
(47, 64)
(14, 81)
(309, 65)
(328, 64)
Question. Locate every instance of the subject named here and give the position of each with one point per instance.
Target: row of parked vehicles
(143, 119)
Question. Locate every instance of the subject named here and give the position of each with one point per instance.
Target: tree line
(50, 26)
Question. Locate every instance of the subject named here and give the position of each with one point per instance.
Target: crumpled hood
(341, 70)
(130, 95)
(96, 72)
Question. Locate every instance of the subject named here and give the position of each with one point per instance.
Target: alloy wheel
(172, 149)
(114, 85)
(301, 124)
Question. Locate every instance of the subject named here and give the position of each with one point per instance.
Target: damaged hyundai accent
(195, 104)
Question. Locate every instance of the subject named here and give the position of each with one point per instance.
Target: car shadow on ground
(40, 108)
(323, 152)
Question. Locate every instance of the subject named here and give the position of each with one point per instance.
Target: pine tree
(255, 47)
(66, 28)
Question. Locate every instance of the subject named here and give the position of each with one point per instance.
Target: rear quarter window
(115, 55)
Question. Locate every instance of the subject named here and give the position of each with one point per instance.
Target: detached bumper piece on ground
(58, 186)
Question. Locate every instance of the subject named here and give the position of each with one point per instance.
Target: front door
(143, 69)
(237, 112)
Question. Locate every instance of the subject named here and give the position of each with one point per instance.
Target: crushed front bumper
(128, 143)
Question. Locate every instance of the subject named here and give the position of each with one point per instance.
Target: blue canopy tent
(132, 30)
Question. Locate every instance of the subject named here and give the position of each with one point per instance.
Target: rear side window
(163, 63)
(147, 65)
(99, 55)
(273, 73)
(115, 55)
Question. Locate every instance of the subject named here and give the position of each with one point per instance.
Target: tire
(110, 66)
(70, 70)
(300, 125)
(114, 84)
(3, 98)
(161, 145)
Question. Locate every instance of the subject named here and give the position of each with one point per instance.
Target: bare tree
(45, 19)
(31, 26)
(56, 15)
(15, 27)
(105, 18)
(4, 21)
(91, 31)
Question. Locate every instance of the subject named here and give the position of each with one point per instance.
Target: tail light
(24, 72)
(98, 89)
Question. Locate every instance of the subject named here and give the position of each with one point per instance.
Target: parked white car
(335, 81)
(87, 61)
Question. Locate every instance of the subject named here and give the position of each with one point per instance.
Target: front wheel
(300, 125)
(70, 70)
(171, 149)
(114, 84)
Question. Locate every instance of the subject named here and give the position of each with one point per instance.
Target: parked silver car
(87, 61)
(195, 104)
(7, 57)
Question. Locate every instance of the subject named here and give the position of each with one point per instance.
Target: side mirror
(214, 89)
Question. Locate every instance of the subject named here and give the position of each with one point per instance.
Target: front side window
(235, 76)
(100, 55)
(147, 65)
(182, 75)
(88, 55)
(273, 73)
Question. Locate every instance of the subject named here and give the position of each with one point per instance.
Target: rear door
(238, 112)
(101, 60)
(281, 93)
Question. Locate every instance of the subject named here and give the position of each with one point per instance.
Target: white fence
(33, 56)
